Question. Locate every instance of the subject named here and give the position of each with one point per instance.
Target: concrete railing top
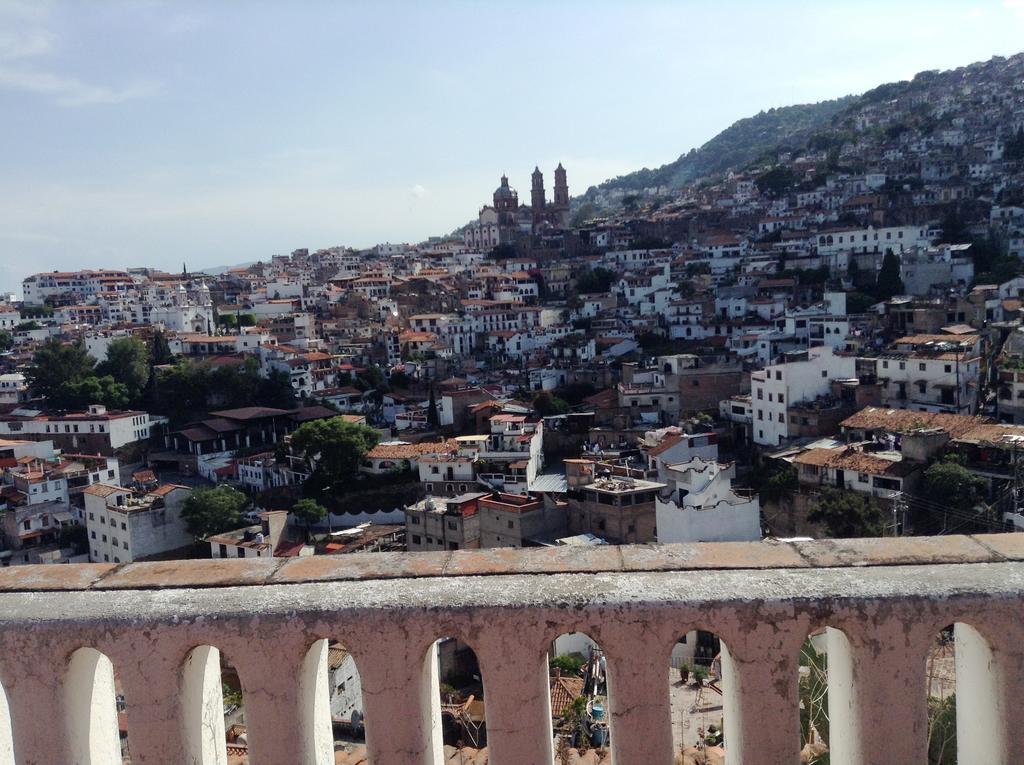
(66, 630)
(739, 556)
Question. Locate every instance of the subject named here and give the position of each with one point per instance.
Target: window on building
(103, 538)
(778, 374)
(949, 368)
(782, 399)
(92, 534)
(27, 525)
(241, 552)
(824, 373)
(760, 414)
(760, 394)
(903, 365)
(416, 539)
(453, 525)
(511, 524)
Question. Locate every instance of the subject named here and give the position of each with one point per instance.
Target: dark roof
(250, 413)
(307, 413)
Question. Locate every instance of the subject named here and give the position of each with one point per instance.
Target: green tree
(858, 302)
(950, 484)
(1015, 146)
(309, 511)
(128, 363)
(433, 420)
(161, 353)
(597, 280)
(399, 379)
(57, 363)
(547, 405)
(228, 320)
(276, 391)
(889, 282)
(28, 326)
(246, 320)
(6, 341)
(335, 448)
(846, 514)
(813, 696)
(181, 390)
(567, 664)
(777, 180)
(92, 390)
(942, 730)
(779, 484)
(211, 511)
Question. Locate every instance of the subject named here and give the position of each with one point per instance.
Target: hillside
(929, 101)
(736, 146)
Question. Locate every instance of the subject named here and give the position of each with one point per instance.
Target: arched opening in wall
(965, 705)
(580, 713)
(332, 705)
(460, 694)
(697, 696)
(6, 734)
(214, 709)
(940, 678)
(90, 699)
(827, 690)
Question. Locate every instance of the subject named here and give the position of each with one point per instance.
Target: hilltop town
(818, 334)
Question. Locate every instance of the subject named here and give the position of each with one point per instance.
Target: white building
(124, 526)
(95, 431)
(703, 506)
(871, 239)
(804, 376)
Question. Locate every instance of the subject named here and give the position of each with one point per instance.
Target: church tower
(506, 205)
(537, 201)
(560, 205)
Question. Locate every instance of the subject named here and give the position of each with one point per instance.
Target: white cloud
(1015, 6)
(26, 40)
(70, 91)
(418, 191)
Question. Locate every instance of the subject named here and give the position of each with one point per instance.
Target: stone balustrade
(64, 629)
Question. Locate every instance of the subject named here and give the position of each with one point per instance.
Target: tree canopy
(952, 484)
(56, 364)
(128, 363)
(334, 447)
(188, 388)
(889, 282)
(594, 280)
(211, 511)
(846, 514)
(308, 512)
(548, 405)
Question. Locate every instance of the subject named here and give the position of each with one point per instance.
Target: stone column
(638, 692)
(514, 665)
(402, 701)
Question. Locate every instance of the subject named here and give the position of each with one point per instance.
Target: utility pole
(958, 379)
(899, 514)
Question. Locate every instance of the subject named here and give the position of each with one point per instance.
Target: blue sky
(141, 132)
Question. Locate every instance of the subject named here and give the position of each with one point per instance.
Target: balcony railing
(158, 624)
